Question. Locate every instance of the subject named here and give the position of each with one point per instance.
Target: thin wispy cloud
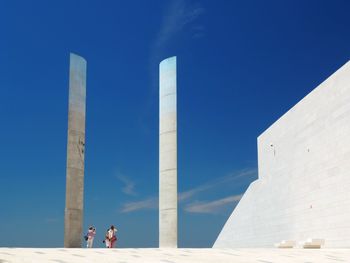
(177, 16)
(236, 178)
(129, 185)
(147, 204)
(212, 207)
(247, 174)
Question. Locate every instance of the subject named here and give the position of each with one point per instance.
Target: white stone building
(303, 189)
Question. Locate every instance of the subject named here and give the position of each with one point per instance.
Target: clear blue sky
(241, 65)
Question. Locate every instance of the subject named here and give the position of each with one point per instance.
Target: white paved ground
(144, 255)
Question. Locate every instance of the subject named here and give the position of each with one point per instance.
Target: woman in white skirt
(90, 237)
(106, 241)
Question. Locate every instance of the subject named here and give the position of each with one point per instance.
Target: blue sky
(241, 65)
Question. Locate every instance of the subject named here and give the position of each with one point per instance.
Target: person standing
(106, 240)
(112, 236)
(90, 237)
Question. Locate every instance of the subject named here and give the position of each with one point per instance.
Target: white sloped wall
(303, 188)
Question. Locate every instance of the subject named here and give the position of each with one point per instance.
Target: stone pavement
(183, 255)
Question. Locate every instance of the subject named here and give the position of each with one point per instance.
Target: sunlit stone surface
(167, 154)
(150, 255)
(303, 190)
(75, 153)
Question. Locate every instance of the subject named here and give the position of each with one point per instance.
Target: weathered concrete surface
(181, 255)
(303, 190)
(73, 221)
(167, 154)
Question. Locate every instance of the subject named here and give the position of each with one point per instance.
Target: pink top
(91, 234)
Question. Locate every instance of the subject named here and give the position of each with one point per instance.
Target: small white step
(285, 244)
(313, 243)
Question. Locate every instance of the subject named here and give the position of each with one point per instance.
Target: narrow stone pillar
(167, 154)
(73, 221)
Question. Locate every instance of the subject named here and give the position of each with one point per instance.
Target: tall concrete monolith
(73, 222)
(167, 154)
